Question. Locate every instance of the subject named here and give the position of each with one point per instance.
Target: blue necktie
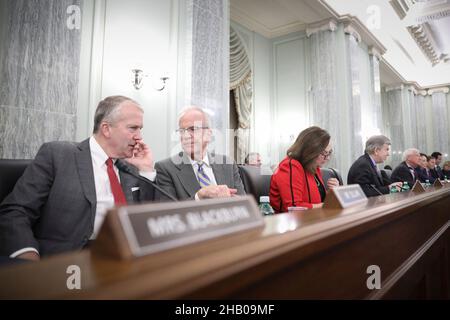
(202, 177)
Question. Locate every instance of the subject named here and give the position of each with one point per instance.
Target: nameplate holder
(418, 187)
(344, 197)
(141, 230)
(438, 184)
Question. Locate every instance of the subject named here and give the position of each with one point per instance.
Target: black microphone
(376, 189)
(125, 168)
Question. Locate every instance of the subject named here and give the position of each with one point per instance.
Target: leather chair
(255, 183)
(387, 173)
(10, 171)
(328, 173)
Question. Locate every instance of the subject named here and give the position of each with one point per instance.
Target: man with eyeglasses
(196, 173)
(364, 170)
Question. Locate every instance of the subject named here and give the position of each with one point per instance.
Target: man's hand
(142, 157)
(31, 255)
(332, 183)
(221, 191)
(397, 185)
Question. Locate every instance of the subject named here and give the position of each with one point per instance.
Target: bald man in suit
(61, 200)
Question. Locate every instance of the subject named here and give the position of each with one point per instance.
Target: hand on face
(142, 157)
(220, 191)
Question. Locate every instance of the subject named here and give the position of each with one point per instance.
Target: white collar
(205, 160)
(98, 155)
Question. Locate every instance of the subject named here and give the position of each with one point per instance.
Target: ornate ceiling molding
(423, 39)
(402, 7)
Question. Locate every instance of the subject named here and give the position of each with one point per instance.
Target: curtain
(241, 84)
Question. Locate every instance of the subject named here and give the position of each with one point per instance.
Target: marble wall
(38, 75)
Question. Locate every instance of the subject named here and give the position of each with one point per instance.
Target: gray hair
(375, 142)
(108, 109)
(409, 152)
(204, 112)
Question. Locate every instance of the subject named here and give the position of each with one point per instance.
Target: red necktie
(116, 188)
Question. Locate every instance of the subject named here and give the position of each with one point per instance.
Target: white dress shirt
(105, 198)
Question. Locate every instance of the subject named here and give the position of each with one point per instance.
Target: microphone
(125, 168)
(376, 189)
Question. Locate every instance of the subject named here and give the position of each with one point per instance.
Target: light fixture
(138, 78)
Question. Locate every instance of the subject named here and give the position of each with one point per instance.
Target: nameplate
(152, 228)
(418, 187)
(438, 183)
(344, 197)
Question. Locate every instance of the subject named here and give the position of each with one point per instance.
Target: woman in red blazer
(297, 182)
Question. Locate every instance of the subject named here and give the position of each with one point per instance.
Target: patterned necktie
(202, 177)
(412, 173)
(116, 188)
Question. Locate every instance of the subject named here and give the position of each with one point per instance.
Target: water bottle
(427, 183)
(393, 189)
(264, 206)
(445, 179)
(405, 186)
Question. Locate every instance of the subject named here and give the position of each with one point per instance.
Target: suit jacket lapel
(374, 170)
(218, 170)
(86, 173)
(127, 182)
(186, 175)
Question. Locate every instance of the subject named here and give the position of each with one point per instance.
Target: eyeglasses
(326, 155)
(190, 130)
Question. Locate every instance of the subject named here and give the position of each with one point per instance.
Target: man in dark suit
(405, 171)
(365, 172)
(196, 173)
(60, 201)
(438, 170)
(423, 171)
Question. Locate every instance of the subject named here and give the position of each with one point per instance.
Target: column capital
(325, 25)
(437, 90)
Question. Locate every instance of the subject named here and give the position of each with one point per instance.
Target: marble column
(395, 125)
(421, 127)
(38, 74)
(345, 96)
(440, 124)
(204, 33)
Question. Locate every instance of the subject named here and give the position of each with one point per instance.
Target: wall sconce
(138, 78)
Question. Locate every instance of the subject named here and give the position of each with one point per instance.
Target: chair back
(255, 183)
(10, 171)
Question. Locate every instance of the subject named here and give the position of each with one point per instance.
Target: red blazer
(291, 186)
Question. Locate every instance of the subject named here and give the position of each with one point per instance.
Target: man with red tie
(62, 198)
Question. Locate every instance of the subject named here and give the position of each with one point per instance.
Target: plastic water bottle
(393, 189)
(405, 186)
(445, 179)
(427, 183)
(264, 206)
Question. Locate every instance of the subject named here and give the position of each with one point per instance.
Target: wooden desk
(316, 254)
